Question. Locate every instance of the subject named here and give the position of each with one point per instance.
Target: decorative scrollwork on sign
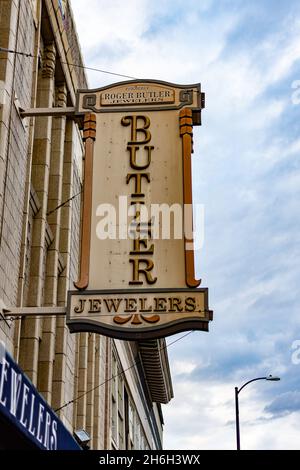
(136, 319)
(186, 96)
(89, 102)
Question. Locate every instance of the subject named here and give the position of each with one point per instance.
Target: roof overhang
(155, 361)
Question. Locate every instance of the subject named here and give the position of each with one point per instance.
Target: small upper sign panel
(144, 95)
(137, 94)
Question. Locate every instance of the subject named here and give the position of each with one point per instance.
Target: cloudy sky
(246, 171)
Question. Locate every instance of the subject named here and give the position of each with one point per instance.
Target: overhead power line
(120, 373)
(26, 54)
(64, 203)
(107, 315)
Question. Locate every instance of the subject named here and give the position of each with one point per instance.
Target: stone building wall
(40, 169)
(17, 32)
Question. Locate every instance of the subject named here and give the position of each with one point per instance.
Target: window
(114, 405)
(121, 424)
(117, 406)
(62, 6)
(131, 424)
(137, 436)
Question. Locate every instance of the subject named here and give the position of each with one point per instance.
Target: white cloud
(209, 410)
(183, 367)
(200, 406)
(114, 37)
(103, 24)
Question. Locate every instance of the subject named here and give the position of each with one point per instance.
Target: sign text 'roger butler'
(137, 94)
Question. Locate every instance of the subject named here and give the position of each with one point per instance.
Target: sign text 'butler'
(137, 277)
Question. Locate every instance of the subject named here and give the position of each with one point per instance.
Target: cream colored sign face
(140, 188)
(131, 178)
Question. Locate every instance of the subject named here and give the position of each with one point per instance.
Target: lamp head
(272, 378)
(82, 437)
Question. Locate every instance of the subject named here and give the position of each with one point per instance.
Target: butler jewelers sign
(137, 278)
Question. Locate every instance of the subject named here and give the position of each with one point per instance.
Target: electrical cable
(120, 373)
(26, 54)
(127, 314)
(64, 203)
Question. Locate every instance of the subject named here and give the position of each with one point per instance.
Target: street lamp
(237, 391)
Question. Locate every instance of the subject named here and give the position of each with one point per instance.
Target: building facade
(112, 389)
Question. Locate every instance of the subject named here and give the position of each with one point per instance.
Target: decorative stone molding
(49, 57)
(61, 96)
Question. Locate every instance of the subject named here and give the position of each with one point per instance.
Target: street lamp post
(237, 391)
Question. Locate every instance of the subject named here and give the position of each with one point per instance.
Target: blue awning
(24, 408)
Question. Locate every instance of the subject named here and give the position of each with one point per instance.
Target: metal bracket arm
(32, 311)
(38, 112)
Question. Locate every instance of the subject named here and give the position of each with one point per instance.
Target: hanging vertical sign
(137, 277)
